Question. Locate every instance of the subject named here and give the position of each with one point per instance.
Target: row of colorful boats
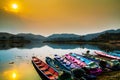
(92, 65)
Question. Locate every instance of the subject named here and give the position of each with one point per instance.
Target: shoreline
(114, 43)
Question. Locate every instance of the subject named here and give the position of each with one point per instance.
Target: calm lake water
(15, 63)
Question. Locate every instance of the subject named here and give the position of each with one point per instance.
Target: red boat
(106, 55)
(44, 70)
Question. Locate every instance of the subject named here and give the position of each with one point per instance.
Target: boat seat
(56, 74)
(82, 64)
(72, 59)
(61, 59)
(37, 63)
(45, 68)
(41, 65)
(64, 61)
(58, 57)
(52, 78)
(51, 70)
(35, 59)
(72, 66)
(68, 65)
(76, 62)
(47, 73)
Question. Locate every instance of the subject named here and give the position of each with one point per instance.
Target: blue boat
(53, 64)
(64, 62)
(91, 59)
(111, 64)
(117, 52)
(103, 54)
(89, 62)
(114, 54)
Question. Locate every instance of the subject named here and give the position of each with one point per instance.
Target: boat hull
(106, 55)
(44, 70)
(43, 77)
(53, 64)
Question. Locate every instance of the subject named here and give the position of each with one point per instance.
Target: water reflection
(63, 46)
(11, 75)
(5, 46)
(103, 47)
(20, 71)
(22, 68)
(16, 62)
(14, 75)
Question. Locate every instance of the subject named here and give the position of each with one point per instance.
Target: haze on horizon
(47, 17)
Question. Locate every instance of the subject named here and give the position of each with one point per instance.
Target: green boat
(111, 64)
(53, 63)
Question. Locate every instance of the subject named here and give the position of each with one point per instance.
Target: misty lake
(15, 62)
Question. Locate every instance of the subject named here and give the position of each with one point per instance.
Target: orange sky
(59, 16)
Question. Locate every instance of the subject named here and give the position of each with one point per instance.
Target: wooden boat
(44, 70)
(106, 55)
(93, 68)
(97, 61)
(64, 62)
(75, 61)
(54, 64)
(88, 62)
(96, 58)
(117, 52)
(114, 54)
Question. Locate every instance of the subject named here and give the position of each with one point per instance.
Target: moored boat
(51, 62)
(75, 61)
(64, 62)
(106, 55)
(91, 58)
(44, 70)
(114, 54)
(117, 52)
(112, 64)
(92, 68)
(88, 62)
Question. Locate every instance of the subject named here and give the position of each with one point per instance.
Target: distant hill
(95, 35)
(32, 37)
(63, 37)
(105, 36)
(5, 35)
(102, 36)
(20, 37)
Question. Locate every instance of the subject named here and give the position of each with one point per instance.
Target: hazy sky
(46, 17)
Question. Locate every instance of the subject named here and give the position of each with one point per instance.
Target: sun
(14, 6)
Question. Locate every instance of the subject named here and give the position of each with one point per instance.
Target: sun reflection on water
(16, 72)
(14, 75)
(11, 74)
